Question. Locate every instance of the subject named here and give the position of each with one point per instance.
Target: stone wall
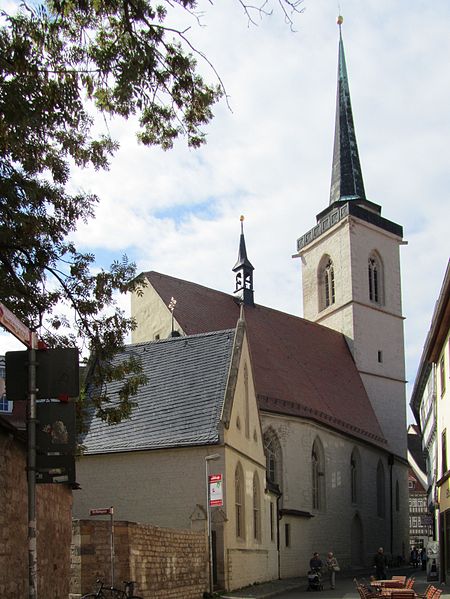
(165, 563)
(54, 515)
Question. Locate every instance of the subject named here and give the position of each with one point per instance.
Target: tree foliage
(61, 62)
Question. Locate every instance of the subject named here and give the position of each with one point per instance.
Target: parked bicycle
(104, 592)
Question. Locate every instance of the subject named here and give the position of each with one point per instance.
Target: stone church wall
(165, 563)
(353, 531)
(54, 518)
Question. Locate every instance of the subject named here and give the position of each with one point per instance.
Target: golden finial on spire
(241, 218)
(340, 20)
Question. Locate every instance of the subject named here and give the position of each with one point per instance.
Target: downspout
(391, 493)
(278, 535)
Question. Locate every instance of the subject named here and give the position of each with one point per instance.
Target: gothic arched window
(318, 476)
(381, 491)
(272, 450)
(355, 475)
(256, 508)
(239, 502)
(375, 272)
(327, 295)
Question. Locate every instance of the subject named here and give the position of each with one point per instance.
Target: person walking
(333, 567)
(315, 563)
(380, 564)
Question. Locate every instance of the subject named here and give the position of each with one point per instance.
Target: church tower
(351, 275)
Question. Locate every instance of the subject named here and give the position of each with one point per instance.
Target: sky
(268, 154)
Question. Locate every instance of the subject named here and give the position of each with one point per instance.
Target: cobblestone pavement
(292, 588)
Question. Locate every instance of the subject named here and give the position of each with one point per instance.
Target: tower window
(326, 283)
(375, 273)
(380, 356)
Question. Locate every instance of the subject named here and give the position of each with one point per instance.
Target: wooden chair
(410, 582)
(437, 593)
(428, 592)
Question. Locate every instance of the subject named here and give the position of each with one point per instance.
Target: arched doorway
(357, 542)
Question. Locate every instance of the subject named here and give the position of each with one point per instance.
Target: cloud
(270, 157)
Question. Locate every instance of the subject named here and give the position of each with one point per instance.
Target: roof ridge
(180, 338)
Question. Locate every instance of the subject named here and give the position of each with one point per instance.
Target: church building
(330, 386)
(326, 392)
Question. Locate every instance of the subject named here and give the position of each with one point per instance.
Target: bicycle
(112, 593)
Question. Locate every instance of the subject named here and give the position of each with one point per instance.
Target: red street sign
(103, 511)
(215, 490)
(14, 325)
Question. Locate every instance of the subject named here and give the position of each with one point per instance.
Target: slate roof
(300, 368)
(416, 450)
(182, 401)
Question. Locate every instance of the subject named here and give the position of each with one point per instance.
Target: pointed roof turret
(244, 272)
(346, 176)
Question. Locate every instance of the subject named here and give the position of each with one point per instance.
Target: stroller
(315, 580)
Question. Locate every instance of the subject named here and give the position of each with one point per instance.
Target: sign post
(105, 511)
(15, 326)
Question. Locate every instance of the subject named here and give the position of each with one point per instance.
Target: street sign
(215, 490)
(102, 511)
(57, 374)
(14, 325)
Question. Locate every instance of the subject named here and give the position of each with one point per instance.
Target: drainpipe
(278, 536)
(391, 493)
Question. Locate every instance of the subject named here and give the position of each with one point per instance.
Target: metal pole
(208, 527)
(31, 470)
(112, 546)
(215, 456)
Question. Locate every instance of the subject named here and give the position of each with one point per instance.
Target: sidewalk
(345, 585)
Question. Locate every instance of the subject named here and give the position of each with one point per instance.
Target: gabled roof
(181, 403)
(300, 368)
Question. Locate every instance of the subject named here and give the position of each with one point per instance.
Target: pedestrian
(333, 567)
(380, 564)
(315, 563)
(414, 557)
(423, 558)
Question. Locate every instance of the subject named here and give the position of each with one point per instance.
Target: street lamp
(209, 458)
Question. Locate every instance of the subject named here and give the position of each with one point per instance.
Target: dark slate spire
(244, 272)
(346, 176)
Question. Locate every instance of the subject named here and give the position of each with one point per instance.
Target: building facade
(431, 407)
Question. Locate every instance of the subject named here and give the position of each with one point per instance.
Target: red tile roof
(300, 368)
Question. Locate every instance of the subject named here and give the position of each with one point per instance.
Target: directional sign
(102, 511)
(14, 325)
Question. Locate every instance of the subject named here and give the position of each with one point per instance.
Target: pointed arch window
(256, 508)
(355, 476)
(239, 502)
(318, 476)
(272, 450)
(381, 491)
(327, 294)
(375, 272)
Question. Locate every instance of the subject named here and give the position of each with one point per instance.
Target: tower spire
(244, 272)
(346, 176)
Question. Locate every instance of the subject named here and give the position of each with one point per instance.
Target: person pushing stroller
(315, 573)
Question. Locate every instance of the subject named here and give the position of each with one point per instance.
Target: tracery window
(317, 476)
(381, 491)
(355, 473)
(326, 283)
(375, 272)
(256, 508)
(272, 450)
(239, 501)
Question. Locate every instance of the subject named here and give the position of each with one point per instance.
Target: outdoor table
(391, 583)
(394, 593)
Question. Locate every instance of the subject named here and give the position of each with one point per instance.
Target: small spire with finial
(244, 271)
